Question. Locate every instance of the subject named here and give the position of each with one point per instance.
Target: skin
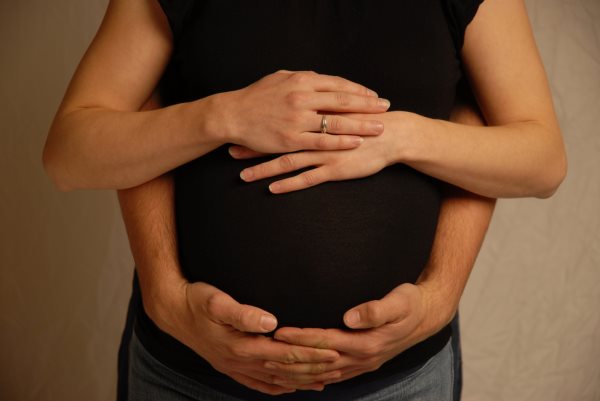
(225, 332)
(100, 139)
(520, 154)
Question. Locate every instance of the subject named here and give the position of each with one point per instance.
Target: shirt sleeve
(176, 12)
(459, 14)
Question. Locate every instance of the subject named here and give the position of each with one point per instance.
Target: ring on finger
(324, 124)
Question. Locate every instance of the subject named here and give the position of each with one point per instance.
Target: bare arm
(148, 212)
(519, 154)
(410, 313)
(199, 315)
(462, 225)
(100, 139)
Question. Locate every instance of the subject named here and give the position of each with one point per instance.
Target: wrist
(412, 139)
(440, 309)
(208, 119)
(220, 120)
(163, 297)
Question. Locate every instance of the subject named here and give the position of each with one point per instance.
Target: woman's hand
(372, 156)
(229, 336)
(282, 112)
(387, 327)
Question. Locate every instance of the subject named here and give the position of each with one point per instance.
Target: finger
(340, 102)
(331, 339)
(267, 349)
(222, 308)
(299, 386)
(287, 379)
(303, 180)
(283, 164)
(333, 83)
(242, 152)
(346, 375)
(394, 307)
(261, 386)
(296, 383)
(314, 370)
(339, 124)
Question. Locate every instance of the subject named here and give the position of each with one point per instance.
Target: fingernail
(376, 126)
(353, 318)
(372, 93)
(246, 175)
(383, 103)
(268, 322)
(234, 151)
(274, 187)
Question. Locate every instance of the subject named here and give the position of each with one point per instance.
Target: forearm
(148, 213)
(98, 148)
(463, 221)
(514, 160)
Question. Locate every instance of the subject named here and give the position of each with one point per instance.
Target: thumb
(372, 314)
(223, 309)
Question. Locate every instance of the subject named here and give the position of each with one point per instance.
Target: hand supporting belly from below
(306, 256)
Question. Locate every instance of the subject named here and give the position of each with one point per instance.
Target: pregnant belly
(306, 256)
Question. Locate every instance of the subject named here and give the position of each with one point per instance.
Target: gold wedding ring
(324, 124)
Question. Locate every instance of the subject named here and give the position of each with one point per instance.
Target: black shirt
(308, 256)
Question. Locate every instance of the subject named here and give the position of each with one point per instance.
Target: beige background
(531, 320)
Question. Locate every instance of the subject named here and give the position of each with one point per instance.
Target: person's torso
(307, 256)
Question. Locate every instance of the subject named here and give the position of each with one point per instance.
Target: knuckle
(213, 302)
(342, 99)
(373, 312)
(246, 317)
(295, 99)
(292, 356)
(309, 178)
(362, 126)
(287, 162)
(371, 349)
(240, 350)
(335, 124)
(317, 368)
(239, 317)
(300, 77)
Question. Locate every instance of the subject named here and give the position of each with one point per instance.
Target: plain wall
(531, 326)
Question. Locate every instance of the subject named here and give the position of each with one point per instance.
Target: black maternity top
(308, 256)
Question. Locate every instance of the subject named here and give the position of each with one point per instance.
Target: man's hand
(387, 327)
(229, 336)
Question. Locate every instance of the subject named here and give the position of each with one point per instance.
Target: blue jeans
(151, 380)
(124, 351)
